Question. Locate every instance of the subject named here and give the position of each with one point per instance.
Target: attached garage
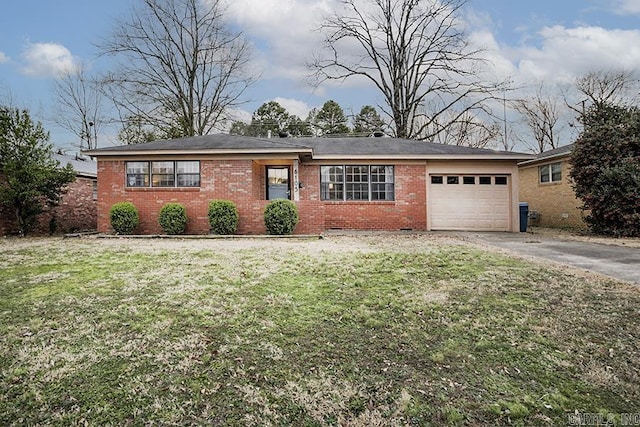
(470, 202)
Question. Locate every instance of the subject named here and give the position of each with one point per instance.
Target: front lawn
(366, 331)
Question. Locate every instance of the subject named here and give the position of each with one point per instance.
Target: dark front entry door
(278, 182)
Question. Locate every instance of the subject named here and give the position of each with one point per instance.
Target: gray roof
(394, 147)
(551, 154)
(83, 166)
(318, 148)
(216, 142)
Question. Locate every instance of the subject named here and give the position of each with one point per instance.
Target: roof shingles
(319, 147)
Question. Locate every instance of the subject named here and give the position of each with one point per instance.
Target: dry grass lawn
(345, 331)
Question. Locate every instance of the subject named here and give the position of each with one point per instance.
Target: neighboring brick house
(77, 210)
(546, 186)
(337, 183)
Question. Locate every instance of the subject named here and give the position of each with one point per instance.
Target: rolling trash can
(524, 216)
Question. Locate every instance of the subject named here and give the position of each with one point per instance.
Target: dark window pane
(501, 180)
(137, 174)
(382, 183)
(189, 180)
(357, 182)
(469, 180)
(485, 180)
(453, 180)
(331, 183)
(544, 173)
(163, 174)
(556, 172)
(436, 179)
(188, 173)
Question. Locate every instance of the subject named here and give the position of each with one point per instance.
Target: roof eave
(120, 153)
(543, 159)
(419, 157)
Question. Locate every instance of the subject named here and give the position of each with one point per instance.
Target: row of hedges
(280, 217)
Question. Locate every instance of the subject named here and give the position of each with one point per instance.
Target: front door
(278, 182)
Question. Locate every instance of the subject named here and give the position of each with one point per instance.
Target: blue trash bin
(524, 216)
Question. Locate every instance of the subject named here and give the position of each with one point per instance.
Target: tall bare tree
(607, 87)
(79, 106)
(181, 67)
(469, 131)
(418, 56)
(540, 113)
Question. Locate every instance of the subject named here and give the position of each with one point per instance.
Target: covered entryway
(469, 202)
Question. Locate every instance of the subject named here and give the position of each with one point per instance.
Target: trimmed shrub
(281, 217)
(223, 217)
(173, 218)
(124, 217)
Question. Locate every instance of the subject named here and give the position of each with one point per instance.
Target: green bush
(173, 218)
(281, 217)
(605, 169)
(124, 217)
(613, 199)
(223, 217)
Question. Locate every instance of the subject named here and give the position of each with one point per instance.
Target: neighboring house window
(551, 173)
(163, 174)
(95, 189)
(359, 182)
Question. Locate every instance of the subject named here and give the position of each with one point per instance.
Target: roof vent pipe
(269, 134)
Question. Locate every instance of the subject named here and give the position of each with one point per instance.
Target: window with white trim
(550, 173)
(163, 174)
(357, 182)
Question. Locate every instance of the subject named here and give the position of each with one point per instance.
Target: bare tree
(607, 87)
(181, 67)
(540, 113)
(79, 106)
(466, 130)
(417, 55)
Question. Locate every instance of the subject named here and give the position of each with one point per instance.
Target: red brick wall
(408, 211)
(241, 181)
(76, 212)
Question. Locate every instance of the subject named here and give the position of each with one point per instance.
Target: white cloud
(48, 60)
(627, 7)
(566, 53)
(286, 29)
(293, 106)
(3, 58)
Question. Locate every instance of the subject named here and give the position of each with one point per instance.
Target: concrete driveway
(619, 262)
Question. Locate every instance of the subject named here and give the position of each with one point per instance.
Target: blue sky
(530, 41)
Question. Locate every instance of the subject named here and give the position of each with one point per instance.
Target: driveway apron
(619, 262)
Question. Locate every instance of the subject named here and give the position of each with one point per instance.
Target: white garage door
(470, 202)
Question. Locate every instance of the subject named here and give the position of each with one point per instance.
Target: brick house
(78, 209)
(545, 184)
(337, 183)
